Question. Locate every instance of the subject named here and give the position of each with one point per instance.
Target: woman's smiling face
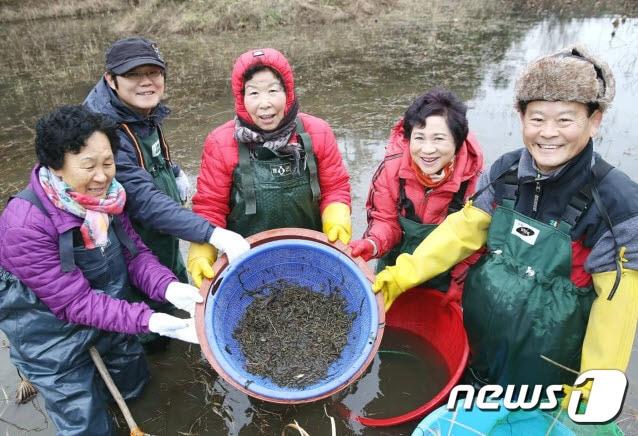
(265, 100)
(432, 145)
(91, 170)
(141, 88)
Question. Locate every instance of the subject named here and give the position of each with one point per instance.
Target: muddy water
(406, 373)
(359, 77)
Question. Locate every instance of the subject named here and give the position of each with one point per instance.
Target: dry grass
(224, 15)
(193, 16)
(189, 16)
(28, 10)
(179, 16)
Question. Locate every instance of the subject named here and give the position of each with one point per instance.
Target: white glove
(183, 296)
(231, 243)
(183, 185)
(173, 327)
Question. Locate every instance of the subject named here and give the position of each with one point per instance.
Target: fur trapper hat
(571, 74)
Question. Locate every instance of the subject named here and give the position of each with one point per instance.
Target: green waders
(153, 156)
(268, 192)
(414, 232)
(519, 303)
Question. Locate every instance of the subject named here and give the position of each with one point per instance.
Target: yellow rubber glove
(336, 222)
(611, 327)
(460, 235)
(612, 324)
(200, 262)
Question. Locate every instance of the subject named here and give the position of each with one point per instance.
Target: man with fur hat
(558, 285)
(130, 92)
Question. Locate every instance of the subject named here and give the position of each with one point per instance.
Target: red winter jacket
(221, 153)
(431, 208)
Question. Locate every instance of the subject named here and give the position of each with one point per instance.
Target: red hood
(268, 57)
(397, 142)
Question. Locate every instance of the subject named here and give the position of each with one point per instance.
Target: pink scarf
(95, 211)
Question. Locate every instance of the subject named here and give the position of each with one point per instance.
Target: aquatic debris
(295, 426)
(25, 391)
(291, 334)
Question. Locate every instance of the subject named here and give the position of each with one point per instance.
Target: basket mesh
(305, 263)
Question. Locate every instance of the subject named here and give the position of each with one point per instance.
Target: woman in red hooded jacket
(271, 166)
(431, 167)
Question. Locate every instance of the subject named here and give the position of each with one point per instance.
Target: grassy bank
(190, 16)
(54, 52)
(31, 10)
(181, 16)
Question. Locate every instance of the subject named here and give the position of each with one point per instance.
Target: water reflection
(361, 88)
(493, 104)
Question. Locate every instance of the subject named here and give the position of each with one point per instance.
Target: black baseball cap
(128, 53)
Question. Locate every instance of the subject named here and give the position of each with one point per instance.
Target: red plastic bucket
(424, 312)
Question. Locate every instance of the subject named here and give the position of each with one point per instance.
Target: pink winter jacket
(221, 151)
(221, 155)
(431, 207)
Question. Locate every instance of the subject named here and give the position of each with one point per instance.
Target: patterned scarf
(434, 180)
(275, 141)
(95, 211)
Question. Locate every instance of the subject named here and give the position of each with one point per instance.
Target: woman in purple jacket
(68, 258)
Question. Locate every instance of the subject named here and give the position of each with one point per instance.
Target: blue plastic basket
(306, 263)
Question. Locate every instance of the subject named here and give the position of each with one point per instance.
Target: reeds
(31, 10)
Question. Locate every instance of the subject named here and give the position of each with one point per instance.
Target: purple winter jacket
(29, 250)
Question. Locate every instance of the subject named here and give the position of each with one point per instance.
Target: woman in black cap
(130, 93)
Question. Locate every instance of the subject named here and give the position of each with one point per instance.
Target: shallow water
(360, 78)
(406, 373)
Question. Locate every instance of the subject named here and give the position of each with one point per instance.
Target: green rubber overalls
(153, 156)
(414, 232)
(268, 193)
(519, 302)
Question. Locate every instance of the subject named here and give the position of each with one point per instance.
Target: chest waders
(53, 354)
(414, 232)
(153, 155)
(268, 192)
(519, 302)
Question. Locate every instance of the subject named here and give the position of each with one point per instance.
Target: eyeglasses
(137, 76)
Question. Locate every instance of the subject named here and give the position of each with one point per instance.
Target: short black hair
(250, 72)
(114, 77)
(592, 107)
(438, 102)
(66, 129)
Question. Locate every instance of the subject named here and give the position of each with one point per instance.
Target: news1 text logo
(606, 397)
